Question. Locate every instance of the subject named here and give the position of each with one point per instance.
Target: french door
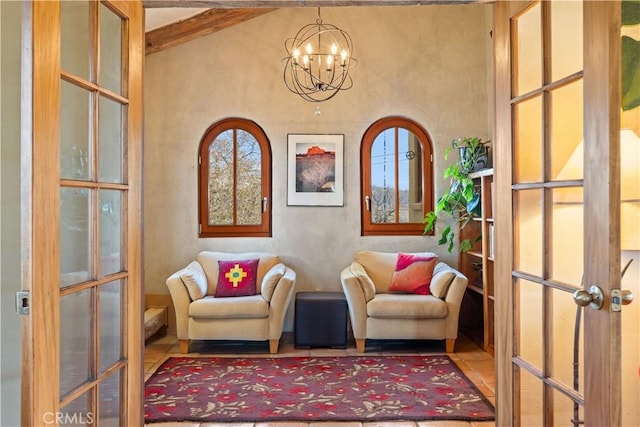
(558, 178)
(82, 143)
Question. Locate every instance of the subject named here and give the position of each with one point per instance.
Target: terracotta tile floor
(473, 361)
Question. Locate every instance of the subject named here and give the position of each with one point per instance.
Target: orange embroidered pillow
(413, 274)
(237, 278)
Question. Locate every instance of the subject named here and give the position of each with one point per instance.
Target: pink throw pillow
(237, 278)
(413, 274)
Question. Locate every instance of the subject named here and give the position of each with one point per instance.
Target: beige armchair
(378, 313)
(200, 315)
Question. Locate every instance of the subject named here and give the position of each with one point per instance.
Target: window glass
(221, 177)
(397, 177)
(249, 179)
(383, 183)
(235, 180)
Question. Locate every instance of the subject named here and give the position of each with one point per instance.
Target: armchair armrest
(279, 302)
(358, 290)
(181, 301)
(454, 301)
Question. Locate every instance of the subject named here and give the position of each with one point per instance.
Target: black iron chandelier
(318, 61)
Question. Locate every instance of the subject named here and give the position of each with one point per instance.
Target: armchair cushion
(271, 279)
(368, 288)
(236, 278)
(194, 280)
(440, 282)
(381, 265)
(251, 307)
(413, 274)
(406, 306)
(209, 261)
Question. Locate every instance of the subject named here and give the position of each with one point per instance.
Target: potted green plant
(461, 200)
(474, 153)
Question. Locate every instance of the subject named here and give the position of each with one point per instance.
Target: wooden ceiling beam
(202, 24)
(225, 13)
(230, 4)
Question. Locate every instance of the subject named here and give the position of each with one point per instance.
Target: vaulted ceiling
(220, 14)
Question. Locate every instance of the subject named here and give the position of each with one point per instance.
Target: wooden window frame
(234, 230)
(396, 229)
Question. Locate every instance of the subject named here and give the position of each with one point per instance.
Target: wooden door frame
(503, 152)
(40, 214)
(601, 73)
(602, 63)
(133, 411)
(40, 193)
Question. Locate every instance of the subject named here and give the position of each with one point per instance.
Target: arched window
(397, 177)
(234, 184)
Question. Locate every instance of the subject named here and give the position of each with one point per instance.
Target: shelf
(474, 253)
(481, 173)
(491, 297)
(489, 220)
(476, 289)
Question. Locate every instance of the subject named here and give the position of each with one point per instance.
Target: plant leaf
(444, 236)
(430, 221)
(450, 247)
(448, 172)
(630, 73)
(630, 12)
(446, 152)
(465, 245)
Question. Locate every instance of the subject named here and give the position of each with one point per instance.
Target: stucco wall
(428, 63)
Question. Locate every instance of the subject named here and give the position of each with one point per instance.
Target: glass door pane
(74, 134)
(75, 236)
(111, 27)
(110, 232)
(111, 142)
(75, 341)
(76, 41)
(528, 70)
(110, 296)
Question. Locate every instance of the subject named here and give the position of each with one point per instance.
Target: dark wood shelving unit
(477, 310)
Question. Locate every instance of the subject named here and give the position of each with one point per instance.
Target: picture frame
(315, 169)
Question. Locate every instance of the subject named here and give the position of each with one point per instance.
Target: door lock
(620, 297)
(22, 302)
(593, 297)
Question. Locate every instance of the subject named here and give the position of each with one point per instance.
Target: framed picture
(315, 170)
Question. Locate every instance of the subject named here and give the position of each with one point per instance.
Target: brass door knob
(592, 297)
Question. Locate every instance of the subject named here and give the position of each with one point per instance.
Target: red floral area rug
(359, 388)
